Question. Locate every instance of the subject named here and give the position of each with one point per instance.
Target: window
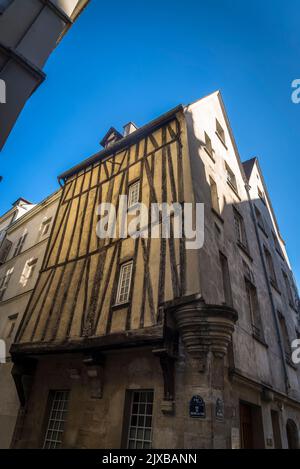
(220, 131)
(11, 326)
(261, 195)
(124, 283)
(46, 226)
(20, 245)
(285, 336)
(134, 194)
(240, 230)
(253, 305)
(4, 283)
(270, 265)
(214, 195)
(58, 405)
(226, 279)
(260, 220)
(208, 144)
(4, 250)
(288, 288)
(140, 420)
(231, 179)
(28, 271)
(276, 244)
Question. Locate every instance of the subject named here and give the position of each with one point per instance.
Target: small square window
(134, 194)
(124, 283)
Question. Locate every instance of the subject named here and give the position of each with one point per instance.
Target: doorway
(251, 426)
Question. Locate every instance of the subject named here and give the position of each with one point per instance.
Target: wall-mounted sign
(197, 408)
(219, 409)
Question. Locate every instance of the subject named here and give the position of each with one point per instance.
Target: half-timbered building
(142, 341)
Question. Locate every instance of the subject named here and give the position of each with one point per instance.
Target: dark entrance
(292, 434)
(276, 429)
(251, 427)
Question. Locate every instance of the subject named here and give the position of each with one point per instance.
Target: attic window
(111, 137)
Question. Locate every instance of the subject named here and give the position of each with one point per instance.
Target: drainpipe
(275, 316)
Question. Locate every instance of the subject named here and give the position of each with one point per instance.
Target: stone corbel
(167, 363)
(22, 373)
(204, 328)
(95, 373)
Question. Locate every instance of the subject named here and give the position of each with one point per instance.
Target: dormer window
(111, 137)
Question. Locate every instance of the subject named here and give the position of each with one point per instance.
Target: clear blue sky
(135, 60)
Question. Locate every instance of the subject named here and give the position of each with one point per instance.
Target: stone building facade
(142, 341)
(29, 32)
(25, 231)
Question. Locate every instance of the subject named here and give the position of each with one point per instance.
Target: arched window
(292, 434)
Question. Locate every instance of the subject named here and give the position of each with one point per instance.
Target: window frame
(231, 178)
(220, 131)
(131, 189)
(46, 225)
(20, 244)
(215, 200)
(240, 229)
(120, 302)
(50, 412)
(130, 405)
(271, 267)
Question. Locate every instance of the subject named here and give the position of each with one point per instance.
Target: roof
(248, 167)
(20, 199)
(123, 143)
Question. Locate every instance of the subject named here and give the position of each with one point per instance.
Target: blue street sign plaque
(197, 408)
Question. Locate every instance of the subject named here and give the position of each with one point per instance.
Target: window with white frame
(28, 271)
(20, 245)
(140, 420)
(58, 405)
(4, 282)
(134, 194)
(45, 228)
(124, 283)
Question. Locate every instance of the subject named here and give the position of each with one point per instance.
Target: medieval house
(139, 342)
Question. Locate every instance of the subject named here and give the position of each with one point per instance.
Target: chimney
(129, 128)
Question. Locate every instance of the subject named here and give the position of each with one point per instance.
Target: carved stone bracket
(95, 372)
(204, 328)
(167, 363)
(167, 355)
(22, 373)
